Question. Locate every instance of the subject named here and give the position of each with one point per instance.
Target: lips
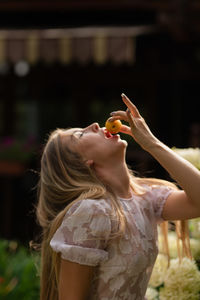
(107, 134)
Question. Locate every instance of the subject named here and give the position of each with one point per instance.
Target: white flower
(159, 270)
(182, 281)
(190, 154)
(195, 248)
(169, 294)
(151, 294)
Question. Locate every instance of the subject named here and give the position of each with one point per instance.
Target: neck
(116, 176)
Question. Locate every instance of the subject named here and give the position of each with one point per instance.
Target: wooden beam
(87, 5)
(166, 5)
(77, 5)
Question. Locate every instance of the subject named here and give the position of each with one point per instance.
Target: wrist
(153, 145)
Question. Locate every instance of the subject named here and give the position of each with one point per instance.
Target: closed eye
(78, 134)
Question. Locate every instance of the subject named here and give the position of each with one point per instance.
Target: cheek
(94, 149)
(86, 148)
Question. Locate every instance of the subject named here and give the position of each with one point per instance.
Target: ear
(89, 162)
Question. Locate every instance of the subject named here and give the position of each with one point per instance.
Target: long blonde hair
(64, 180)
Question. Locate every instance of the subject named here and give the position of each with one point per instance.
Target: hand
(137, 128)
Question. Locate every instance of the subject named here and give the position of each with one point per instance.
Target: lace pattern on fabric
(123, 265)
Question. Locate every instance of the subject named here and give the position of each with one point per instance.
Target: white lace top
(123, 266)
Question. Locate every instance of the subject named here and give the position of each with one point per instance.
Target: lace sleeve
(159, 197)
(84, 233)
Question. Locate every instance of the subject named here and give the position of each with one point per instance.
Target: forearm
(183, 172)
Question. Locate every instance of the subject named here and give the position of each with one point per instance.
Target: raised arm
(180, 204)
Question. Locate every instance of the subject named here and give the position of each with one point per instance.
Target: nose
(94, 127)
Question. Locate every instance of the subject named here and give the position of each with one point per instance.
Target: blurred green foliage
(19, 277)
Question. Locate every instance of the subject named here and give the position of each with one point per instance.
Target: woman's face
(95, 144)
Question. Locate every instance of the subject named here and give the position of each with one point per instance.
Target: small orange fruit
(114, 126)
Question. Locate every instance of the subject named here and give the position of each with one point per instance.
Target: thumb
(126, 129)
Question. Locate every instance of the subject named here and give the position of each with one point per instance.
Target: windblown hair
(64, 180)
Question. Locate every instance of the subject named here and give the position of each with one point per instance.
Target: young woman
(99, 220)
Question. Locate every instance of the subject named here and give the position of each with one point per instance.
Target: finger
(130, 119)
(114, 118)
(118, 115)
(130, 105)
(126, 129)
(118, 112)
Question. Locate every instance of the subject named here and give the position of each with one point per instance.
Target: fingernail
(112, 113)
(123, 95)
(110, 119)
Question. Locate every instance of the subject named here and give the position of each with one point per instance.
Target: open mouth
(107, 134)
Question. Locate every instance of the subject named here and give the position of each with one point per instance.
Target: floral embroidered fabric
(123, 265)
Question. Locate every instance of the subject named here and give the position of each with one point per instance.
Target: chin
(124, 142)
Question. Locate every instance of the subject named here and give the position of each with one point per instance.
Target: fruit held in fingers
(113, 126)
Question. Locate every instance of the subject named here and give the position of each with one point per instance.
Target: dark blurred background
(66, 63)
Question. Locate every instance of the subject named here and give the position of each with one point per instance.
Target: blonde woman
(99, 220)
